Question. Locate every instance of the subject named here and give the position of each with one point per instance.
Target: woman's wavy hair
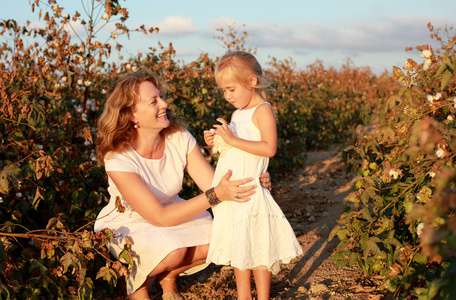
(240, 65)
(115, 129)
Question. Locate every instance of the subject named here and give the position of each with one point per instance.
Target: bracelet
(212, 197)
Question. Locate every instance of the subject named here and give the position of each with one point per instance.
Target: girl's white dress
(256, 233)
(164, 177)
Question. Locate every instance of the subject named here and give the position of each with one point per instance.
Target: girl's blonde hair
(115, 129)
(239, 66)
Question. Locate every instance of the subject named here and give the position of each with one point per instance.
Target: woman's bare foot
(169, 287)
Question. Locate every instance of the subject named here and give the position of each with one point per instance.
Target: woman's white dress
(256, 233)
(164, 177)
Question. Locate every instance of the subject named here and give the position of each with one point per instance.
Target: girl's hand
(225, 132)
(228, 190)
(209, 137)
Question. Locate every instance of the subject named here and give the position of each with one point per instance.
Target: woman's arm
(144, 201)
(199, 169)
(202, 172)
(263, 118)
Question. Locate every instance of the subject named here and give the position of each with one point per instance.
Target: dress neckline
(151, 159)
(243, 109)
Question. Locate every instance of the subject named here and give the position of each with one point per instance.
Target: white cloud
(175, 26)
(395, 34)
(223, 22)
(75, 27)
(37, 25)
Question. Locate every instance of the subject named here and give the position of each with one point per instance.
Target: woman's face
(150, 111)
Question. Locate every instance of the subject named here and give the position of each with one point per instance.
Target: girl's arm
(263, 118)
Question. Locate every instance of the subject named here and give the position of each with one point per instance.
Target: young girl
(254, 236)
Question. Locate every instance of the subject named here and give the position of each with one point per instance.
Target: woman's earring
(135, 126)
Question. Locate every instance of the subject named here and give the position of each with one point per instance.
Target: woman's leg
(244, 288)
(167, 270)
(262, 283)
(194, 256)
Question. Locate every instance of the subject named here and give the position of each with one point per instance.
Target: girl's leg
(244, 289)
(262, 283)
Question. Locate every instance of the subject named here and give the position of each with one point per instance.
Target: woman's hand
(265, 181)
(228, 190)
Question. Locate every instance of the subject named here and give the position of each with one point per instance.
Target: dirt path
(312, 199)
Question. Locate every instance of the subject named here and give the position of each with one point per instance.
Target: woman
(145, 149)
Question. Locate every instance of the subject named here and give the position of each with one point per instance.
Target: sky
(368, 32)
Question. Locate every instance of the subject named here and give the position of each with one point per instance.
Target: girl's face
(239, 95)
(150, 110)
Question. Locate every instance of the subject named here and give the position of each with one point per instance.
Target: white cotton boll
(408, 65)
(105, 16)
(19, 195)
(87, 143)
(93, 156)
(450, 118)
(419, 229)
(80, 82)
(393, 173)
(438, 96)
(426, 54)
(440, 152)
(427, 64)
(432, 174)
(430, 98)
(219, 143)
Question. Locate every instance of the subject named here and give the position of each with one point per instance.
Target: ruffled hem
(267, 240)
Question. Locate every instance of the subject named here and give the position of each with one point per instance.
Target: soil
(312, 198)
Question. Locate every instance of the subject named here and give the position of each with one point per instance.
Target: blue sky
(369, 32)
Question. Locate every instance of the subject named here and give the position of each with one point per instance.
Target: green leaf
(446, 78)
(4, 188)
(66, 261)
(12, 170)
(354, 257)
(371, 246)
(107, 274)
(366, 213)
(35, 264)
(126, 256)
(333, 232)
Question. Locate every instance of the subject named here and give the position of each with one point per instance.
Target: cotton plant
(220, 146)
